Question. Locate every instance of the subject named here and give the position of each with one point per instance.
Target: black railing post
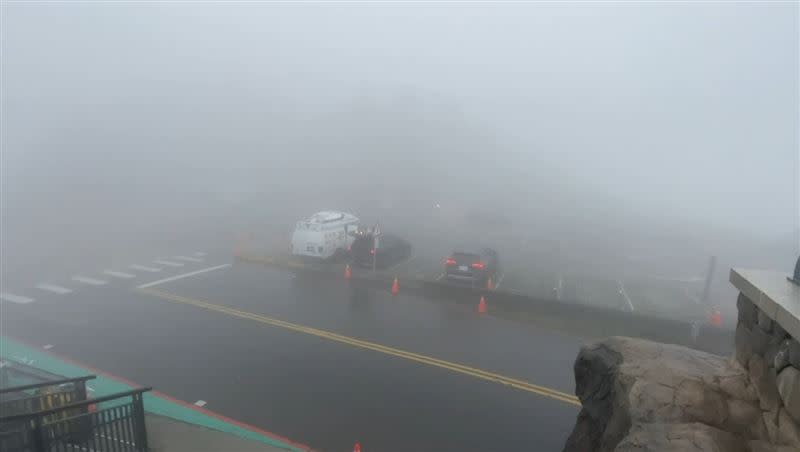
(138, 423)
(38, 440)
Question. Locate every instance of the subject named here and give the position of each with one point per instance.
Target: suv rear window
(466, 258)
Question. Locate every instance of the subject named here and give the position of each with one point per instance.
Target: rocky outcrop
(639, 395)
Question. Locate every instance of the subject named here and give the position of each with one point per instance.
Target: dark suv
(472, 268)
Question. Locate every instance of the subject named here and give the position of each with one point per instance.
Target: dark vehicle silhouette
(472, 268)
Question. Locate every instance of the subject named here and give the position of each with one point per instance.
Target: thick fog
(628, 133)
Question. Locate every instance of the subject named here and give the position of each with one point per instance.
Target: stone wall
(638, 395)
(772, 359)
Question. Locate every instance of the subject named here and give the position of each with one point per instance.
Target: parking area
(536, 278)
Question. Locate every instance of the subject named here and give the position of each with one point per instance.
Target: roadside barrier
(583, 319)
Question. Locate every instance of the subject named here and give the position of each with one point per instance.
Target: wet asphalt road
(324, 393)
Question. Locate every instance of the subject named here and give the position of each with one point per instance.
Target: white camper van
(324, 234)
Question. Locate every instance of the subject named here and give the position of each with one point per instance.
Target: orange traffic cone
(490, 284)
(357, 447)
(482, 306)
(347, 272)
(395, 287)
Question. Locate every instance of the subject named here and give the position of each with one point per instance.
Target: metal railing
(41, 396)
(74, 427)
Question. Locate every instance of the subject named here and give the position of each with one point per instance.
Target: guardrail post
(37, 435)
(140, 430)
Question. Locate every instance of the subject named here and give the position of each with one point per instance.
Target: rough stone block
(745, 417)
(794, 353)
(781, 359)
(760, 446)
(764, 322)
(641, 395)
(789, 390)
(764, 446)
(738, 387)
(743, 343)
(788, 430)
(689, 437)
(772, 349)
(755, 366)
(701, 405)
(747, 311)
(778, 332)
(763, 379)
(771, 424)
(759, 340)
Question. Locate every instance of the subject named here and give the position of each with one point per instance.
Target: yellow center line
(455, 367)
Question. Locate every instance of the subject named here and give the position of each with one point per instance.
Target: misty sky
(679, 111)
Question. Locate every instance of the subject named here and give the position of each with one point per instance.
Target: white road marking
(499, 281)
(169, 263)
(200, 254)
(19, 299)
(396, 265)
(187, 259)
(145, 269)
(200, 403)
(439, 278)
(689, 296)
(90, 281)
(119, 274)
(185, 275)
(53, 288)
(560, 286)
(48, 346)
(625, 295)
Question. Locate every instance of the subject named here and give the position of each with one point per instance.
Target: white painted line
(200, 254)
(169, 263)
(689, 296)
(19, 299)
(499, 281)
(439, 278)
(145, 269)
(200, 403)
(187, 259)
(53, 288)
(185, 275)
(622, 291)
(48, 346)
(119, 274)
(90, 281)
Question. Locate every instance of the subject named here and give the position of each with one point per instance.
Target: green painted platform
(154, 402)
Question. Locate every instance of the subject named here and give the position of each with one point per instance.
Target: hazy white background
(654, 128)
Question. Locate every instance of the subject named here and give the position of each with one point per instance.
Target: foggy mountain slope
(591, 130)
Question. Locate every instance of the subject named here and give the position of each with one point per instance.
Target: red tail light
(450, 261)
(372, 251)
(478, 266)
